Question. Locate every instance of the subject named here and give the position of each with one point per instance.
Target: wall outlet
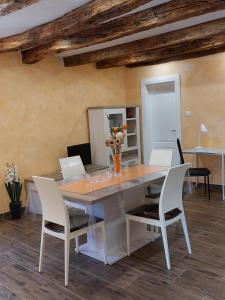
(188, 113)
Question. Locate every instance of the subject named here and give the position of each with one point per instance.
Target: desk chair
(196, 172)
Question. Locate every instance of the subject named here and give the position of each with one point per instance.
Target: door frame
(146, 135)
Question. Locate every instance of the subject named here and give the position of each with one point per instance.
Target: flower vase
(117, 163)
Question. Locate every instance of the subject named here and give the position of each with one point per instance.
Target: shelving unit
(99, 132)
(130, 134)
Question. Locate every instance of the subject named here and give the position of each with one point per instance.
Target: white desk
(210, 151)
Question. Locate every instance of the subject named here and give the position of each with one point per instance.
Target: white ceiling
(36, 14)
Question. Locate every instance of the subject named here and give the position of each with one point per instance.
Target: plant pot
(15, 210)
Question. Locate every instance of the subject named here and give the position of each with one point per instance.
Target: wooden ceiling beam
(160, 15)
(206, 44)
(178, 57)
(114, 55)
(87, 15)
(10, 6)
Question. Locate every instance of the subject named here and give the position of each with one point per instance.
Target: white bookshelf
(99, 132)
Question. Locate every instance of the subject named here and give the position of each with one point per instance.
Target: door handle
(173, 130)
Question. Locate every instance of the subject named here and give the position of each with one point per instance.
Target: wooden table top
(102, 185)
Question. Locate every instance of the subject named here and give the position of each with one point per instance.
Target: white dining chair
(162, 158)
(57, 222)
(72, 168)
(169, 210)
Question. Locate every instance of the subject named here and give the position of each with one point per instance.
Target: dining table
(109, 196)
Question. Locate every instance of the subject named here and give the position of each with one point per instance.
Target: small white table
(210, 151)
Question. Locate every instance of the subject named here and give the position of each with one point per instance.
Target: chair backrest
(171, 194)
(180, 151)
(53, 207)
(72, 167)
(161, 157)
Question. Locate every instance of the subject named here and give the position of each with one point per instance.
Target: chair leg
(155, 229)
(77, 244)
(41, 249)
(105, 244)
(208, 186)
(165, 244)
(205, 184)
(184, 224)
(67, 254)
(128, 235)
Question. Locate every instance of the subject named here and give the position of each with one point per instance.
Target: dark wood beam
(14, 5)
(114, 54)
(87, 16)
(163, 14)
(178, 58)
(177, 50)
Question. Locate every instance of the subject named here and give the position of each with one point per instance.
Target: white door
(161, 115)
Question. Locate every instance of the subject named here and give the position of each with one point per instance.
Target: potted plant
(14, 188)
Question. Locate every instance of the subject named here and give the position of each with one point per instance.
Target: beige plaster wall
(202, 92)
(43, 109)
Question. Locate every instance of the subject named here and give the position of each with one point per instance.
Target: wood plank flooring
(142, 276)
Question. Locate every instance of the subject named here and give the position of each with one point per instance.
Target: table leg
(222, 168)
(196, 167)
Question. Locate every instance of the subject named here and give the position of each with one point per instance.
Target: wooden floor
(140, 276)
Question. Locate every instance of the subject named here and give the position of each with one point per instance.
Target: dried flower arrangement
(114, 143)
(117, 138)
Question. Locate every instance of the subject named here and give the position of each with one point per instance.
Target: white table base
(119, 252)
(112, 210)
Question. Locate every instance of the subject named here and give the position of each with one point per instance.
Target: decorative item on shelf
(130, 112)
(202, 129)
(14, 188)
(114, 142)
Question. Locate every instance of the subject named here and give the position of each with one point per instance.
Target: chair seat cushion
(152, 212)
(199, 172)
(78, 220)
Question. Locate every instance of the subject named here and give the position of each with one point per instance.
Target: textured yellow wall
(43, 109)
(202, 92)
